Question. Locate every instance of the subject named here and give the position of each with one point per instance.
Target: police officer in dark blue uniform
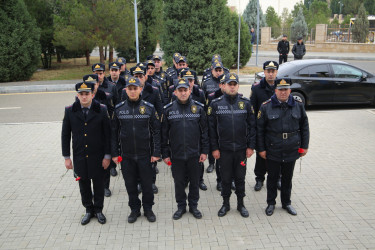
(135, 123)
(232, 138)
(260, 93)
(87, 123)
(116, 78)
(283, 136)
(211, 84)
(185, 143)
(124, 72)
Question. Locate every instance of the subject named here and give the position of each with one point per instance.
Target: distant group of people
(140, 116)
(283, 47)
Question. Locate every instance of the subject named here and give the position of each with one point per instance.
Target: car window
(314, 71)
(346, 71)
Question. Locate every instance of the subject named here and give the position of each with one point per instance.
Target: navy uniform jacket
(133, 126)
(210, 85)
(151, 95)
(110, 90)
(231, 123)
(91, 138)
(185, 132)
(260, 93)
(282, 129)
(120, 84)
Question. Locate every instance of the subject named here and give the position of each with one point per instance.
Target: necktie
(85, 112)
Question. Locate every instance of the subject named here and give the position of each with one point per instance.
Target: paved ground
(334, 194)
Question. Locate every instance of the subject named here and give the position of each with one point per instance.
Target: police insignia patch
(193, 109)
(156, 114)
(142, 109)
(209, 111)
(259, 114)
(241, 105)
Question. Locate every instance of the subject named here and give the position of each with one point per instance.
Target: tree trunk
(87, 54)
(101, 54)
(105, 53)
(110, 53)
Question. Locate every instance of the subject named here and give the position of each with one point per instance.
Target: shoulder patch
(217, 99)
(297, 99)
(211, 94)
(148, 104)
(198, 103)
(168, 105)
(119, 104)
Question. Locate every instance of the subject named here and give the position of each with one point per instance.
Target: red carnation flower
(119, 159)
(169, 163)
(78, 178)
(243, 164)
(301, 150)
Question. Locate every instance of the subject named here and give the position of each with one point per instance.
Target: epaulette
(148, 104)
(119, 104)
(206, 79)
(69, 106)
(255, 84)
(297, 100)
(268, 101)
(217, 99)
(168, 105)
(102, 105)
(171, 87)
(198, 103)
(155, 87)
(211, 94)
(243, 98)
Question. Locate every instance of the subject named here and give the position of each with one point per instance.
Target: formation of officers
(145, 115)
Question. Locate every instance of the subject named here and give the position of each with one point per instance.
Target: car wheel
(299, 97)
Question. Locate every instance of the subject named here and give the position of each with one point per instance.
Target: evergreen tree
(273, 21)
(319, 13)
(42, 12)
(198, 32)
(298, 27)
(245, 38)
(19, 39)
(250, 15)
(361, 26)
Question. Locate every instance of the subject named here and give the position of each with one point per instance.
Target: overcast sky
(278, 5)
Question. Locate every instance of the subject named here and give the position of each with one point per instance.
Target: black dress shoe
(101, 218)
(178, 214)
(233, 186)
(243, 211)
(270, 209)
(210, 168)
(258, 186)
(219, 187)
(107, 192)
(150, 215)
(202, 186)
(133, 216)
(223, 210)
(290, 209)
(279, 184)
(86, 218)
(113, 171)
(139, 188)
(156, 169)
(155, 188)
(195, 212)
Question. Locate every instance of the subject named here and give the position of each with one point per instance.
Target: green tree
(250, 15)
(296, 8)
(42, 11)
(361, 26)
(286, 19)
(319, 13)
(273, 21)
(19, 39)
(335, 21)
(197, 32)
(245, 38)
(370, 6)
(347, 19)
(298, 27)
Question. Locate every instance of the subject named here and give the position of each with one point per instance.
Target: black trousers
(86, 194)
(132, 169)
(181, 169)
(283, 58)
(107, 175)
(274, 169)
(260, 168)
(231, 168)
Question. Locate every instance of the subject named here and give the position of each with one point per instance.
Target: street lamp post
(256, 60)
(136, 29)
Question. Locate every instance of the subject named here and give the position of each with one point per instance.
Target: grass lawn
(75, 68)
